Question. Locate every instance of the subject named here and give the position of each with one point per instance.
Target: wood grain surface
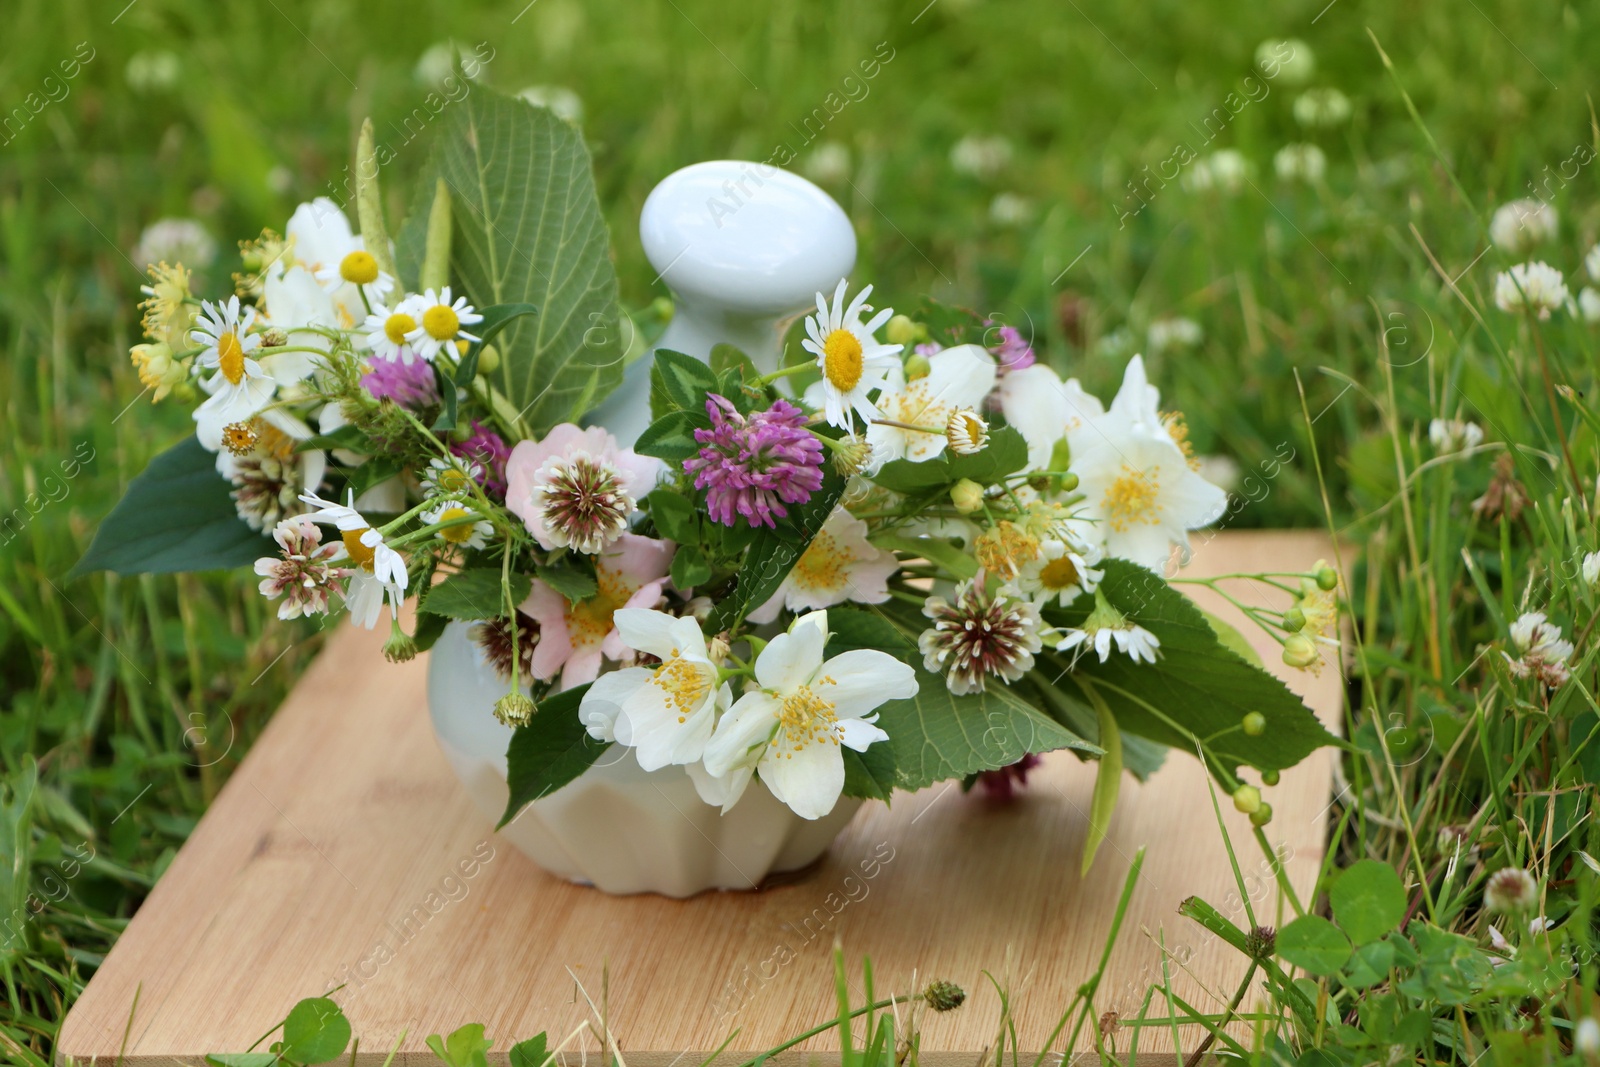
(343, 852)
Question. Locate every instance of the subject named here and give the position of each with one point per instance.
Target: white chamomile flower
(439, 322)
(1536, 286)
(1060, 572)
(793, 728)
(445, 476)
(379, 572)
(357, 268)
(850, 358)
(388, 331)
(1105, 627)
(464, 534)
(240, 387)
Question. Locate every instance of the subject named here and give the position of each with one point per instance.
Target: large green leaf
(1199, 687)
(528, 229)
(316, 1031)
(549, 752)
(176, 516)
(937, 735)
(475, 593)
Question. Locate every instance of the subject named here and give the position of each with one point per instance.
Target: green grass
(134, 697)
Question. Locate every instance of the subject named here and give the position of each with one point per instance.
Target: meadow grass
(1339, 317)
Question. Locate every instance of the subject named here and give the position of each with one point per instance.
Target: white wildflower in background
(1591, 263)
(1510, 890)
(1520, 225)
(1009, 209)
(1116, 344)
(1536, 286)
(1586, 1036)
(1300, 162)
(1454, 435)
(828, 163)
(852, 361)
(1226, 170)
(175, 241)
(981, 157)
(1321, 108)
(1591, 570)
(153, 71)
(793, 727)
(438, 63)
(565, 104)
(1589, 304)
(1289, 61)
(1173, 332)
(1543, 651)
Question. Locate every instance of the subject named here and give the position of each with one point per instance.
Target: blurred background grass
(135, 696)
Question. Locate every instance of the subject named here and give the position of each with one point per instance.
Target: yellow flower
(157, 369)
(168, 311)
(1005, 548)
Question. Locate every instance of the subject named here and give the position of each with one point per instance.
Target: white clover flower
(1520, 225)
(981, 157)
(1300, 162)
(379, 572)
(1226, 170)
(1289, 60)
(175, 241)
(1173, 332)
(1591, 263)
(828, 163)
(1009, 209)
(1591, 570)
(153, 71)
(565, 104)
(1510, 889)
(1535, 286)
(1321, 108)
(1586, 1036)
(1454, 435)
(1588, 307)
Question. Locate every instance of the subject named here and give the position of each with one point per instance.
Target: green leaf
(1369, 965)
(16, 846)
(689, 567)
(243, 1059)
(176, 516)
(430, 628)
(466, 1047)
(953, 559)
(1198, 687)
(726, 358)
(549, 752)
(1314, 944)
(316, 1031)
(773, 553)
(671, 437)
(674, 515)
(1368, 900)
(570, 582)
(474, 594)
(530, 1053)
(1107, 783)
(869, 775)
(495, 319)
(528, 229)
(683, 380)
(1005, 454)
(937, 735)
(1234, 641)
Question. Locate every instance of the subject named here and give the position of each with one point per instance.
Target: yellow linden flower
(168, 309)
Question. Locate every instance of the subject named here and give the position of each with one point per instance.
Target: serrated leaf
(466, 1047)
(316, 1031)
(671, 437)
(869, 775)
(689, 567)
(1198, 687)
(176, 516)
(684, 381)
(570, 582)
(1314, 944)
(1368, 900)
(530, 1053)
(528, 229)
(549, 752)
(473, 594)
(774, 552)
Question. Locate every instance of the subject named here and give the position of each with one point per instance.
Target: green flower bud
(901, 330)
(1061, 456)
(400, 648)
(1262, 815)
(662, 308)
(1254, 724)
(944, 996)
(488, 360)
(917, 366)
(1294, 620)
(1300, 651)
(1261, 942)
(967, 496)
(1247, 799)
(1069, 482)
(1327, 579)
(1270, 777)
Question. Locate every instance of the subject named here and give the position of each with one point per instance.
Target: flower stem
(877, 1005)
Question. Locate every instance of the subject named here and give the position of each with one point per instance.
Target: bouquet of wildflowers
(914, 553)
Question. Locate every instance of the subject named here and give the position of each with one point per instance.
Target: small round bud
(1294, 620)
(917, 366)
(1247, 799)
(944, 996)
(1261, 942)
(1262, 815)
(1300, 651)
(901, 330)
(514, 709)
(967, 496)
(488, 360)
(1254, 724)
(1069, 482)
(462, 432)
(275, 338)
(400, 648)
(1270, 778)
(1327, 579)
(663, 308)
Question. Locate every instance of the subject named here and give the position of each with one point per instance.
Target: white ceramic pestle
(743, 247)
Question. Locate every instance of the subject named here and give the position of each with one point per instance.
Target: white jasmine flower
(1321, 107)
(1045, 410)
(839, 565)
(1300, 162)
(1454, 435)
(793, 727)
(666, 712)
(828, 163)
(1536, 286)
(439, 322)
(465, 534)
(175, 241)
(379, 572)
(850, 358)
(1173, 332)
(958, 379)
(979, 156)
(1136, 480)
(1061, 572)
(319, 239)
(1106, 626)
(1519, 225)
(565, 104)
(292, 301)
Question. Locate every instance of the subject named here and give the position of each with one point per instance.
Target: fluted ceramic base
(617, 826)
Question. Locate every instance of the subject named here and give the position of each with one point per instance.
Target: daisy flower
(240, 387)
(358, 268)
(465, 534)
(1060, 572)
(793, 728)
(379, 573)
(1105, 627)
(839, 565)
(439, 322)
(388, 331)
(850, 358)
(444, 477)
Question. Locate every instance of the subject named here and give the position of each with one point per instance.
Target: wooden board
(343, 851)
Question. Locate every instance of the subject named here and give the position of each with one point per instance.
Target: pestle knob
(743, 246)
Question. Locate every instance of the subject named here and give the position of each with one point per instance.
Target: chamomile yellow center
(806, 719)
(359, 267)
(824, 565)
(396, 326)
(1134, 498)
(1060, 573)
(459, 534)
(239, 438)
(361, 555)
(683, 683)
(842, 362)
(230, 357)
(453, 480)
(441, 322)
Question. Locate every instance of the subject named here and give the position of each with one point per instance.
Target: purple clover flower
(754, 466)
(411, 385)
(488, 450)
(1013, 352)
